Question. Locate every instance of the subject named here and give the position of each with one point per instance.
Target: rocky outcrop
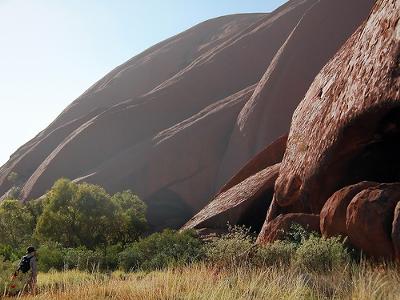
(160, 123)
(347, 128)
(333, 214)
(244, 204)
(369, 220)
(271, 155)
(280, 226)
(345, 131)
(267, 115)
(177, 122)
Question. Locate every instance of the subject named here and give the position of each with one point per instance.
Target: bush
(232, 249)
(161, 250)
(297, 234)
(9, 253)
(321, 254)
(6, 270)
(50, 256)
(277, 253)
(82, 259)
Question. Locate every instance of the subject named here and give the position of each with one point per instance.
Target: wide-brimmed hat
(30, 249)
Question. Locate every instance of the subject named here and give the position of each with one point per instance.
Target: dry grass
(204, 282)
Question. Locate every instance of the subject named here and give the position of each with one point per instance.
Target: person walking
(28, 266)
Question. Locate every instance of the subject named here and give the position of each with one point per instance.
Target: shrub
(297, 234)
(232, 249)
(6, 270)
(161, 250)
(50, 256)
(82, 259)
(277, 253)
(321, 254)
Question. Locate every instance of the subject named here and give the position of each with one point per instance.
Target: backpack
(25, 264)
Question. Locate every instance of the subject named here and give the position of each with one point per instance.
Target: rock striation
(341, 161)
(203, 115)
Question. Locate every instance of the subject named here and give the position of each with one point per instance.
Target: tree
(16, 224)
(86, 215)
(132, 212)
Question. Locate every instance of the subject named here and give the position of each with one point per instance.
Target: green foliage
(50, 256)
(233, 249)
(161, 250)
(16, 224)
(297, 234)
(6, 270)
(277, 253)
(132, 216)
(85, 215)
(302, 249)
(9, 253)
(321, 254)
(82, 259)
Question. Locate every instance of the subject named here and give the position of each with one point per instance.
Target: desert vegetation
(95, 246)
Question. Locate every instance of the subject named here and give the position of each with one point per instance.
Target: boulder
(396, 232)
(333, 214)
(369, 219)
(244, 204)
(278, 227)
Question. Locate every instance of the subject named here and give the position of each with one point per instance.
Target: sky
(51, 51)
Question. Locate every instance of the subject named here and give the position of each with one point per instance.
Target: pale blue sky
(51, 51)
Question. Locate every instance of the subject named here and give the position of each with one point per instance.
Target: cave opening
(255, 213)
(368, 150)
(166, 209)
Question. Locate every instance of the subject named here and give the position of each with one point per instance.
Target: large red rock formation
(267, 115)
(143, 120)
(347, 128)
(177, 121)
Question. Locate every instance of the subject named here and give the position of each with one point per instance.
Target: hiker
(28, 267)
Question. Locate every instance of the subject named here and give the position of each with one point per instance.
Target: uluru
(257, 119)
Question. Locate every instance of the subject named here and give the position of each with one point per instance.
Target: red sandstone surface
(346, 131)
(194, 115)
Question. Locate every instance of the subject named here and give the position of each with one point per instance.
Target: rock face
(272, 154)
(333, 214)
(277, 228)
(347, 128)
(370, 217)
(314, 40)
(346, 131)
(396, 232)
(160, 123)
(244, 204)
(177, 122)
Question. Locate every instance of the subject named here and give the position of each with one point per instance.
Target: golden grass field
(204, 282)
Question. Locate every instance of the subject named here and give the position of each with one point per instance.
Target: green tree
(16, 224)
(132, 214)
(86, 215)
